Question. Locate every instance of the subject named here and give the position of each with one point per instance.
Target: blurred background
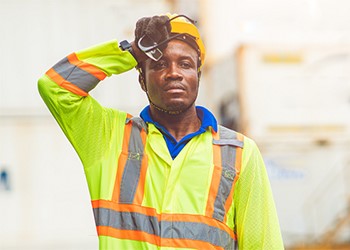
(276, 70)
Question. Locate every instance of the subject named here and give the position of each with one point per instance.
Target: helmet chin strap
(164, 110)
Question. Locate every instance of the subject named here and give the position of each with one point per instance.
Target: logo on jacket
(229, 174)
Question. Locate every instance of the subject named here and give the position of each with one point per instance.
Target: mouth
(175, 91)
(174, 87)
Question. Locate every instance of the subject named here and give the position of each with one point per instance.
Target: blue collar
(206, 117)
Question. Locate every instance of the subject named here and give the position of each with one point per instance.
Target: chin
(178, 107)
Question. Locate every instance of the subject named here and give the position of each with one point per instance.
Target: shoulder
(252, 160)
(250, 153)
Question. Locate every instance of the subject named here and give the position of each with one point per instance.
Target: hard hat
(181, 24)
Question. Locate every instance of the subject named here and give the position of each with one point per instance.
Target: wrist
(132, 48)
(126, 46)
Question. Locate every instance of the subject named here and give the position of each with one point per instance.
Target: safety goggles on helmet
(182, 28)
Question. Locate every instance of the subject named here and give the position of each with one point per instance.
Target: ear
(199, 75)
(142, 82)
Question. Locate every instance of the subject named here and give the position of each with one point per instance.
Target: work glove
(154, 30)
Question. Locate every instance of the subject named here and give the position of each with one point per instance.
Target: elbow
(41, 85)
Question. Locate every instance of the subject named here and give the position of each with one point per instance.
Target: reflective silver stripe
(231, 142)
(228, 158)
(132, 170)
(139, 122)
(126, 220)
(75, 75)
(196, 231)
(164, 229)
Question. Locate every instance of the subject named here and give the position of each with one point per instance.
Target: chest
(179, 185)
(199, 180)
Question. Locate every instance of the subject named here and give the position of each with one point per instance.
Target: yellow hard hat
(181, 24)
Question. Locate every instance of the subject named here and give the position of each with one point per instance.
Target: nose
(173, 73)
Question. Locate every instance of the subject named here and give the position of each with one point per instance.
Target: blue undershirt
(207, 120)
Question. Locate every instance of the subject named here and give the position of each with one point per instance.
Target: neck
(178, 125)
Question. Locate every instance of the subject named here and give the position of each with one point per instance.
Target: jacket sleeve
(256, 220)
(65, 90)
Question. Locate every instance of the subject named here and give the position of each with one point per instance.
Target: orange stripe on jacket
(57, 78)
(140, 190)
(215, 181)
(164, 216)
(154, 239)
(149, 211)
(128, 234)
(122, 160)
(93, 70)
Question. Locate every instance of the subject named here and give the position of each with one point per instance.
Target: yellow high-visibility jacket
(141, 197)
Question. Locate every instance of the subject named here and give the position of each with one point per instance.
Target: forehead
(181, 47)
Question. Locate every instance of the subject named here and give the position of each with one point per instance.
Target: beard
(174, 108)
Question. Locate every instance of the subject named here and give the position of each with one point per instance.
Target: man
(172, 179)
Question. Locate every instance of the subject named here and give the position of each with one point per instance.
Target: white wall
(47, 206)
(231, 23)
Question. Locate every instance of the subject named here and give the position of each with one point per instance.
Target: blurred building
(279, 71)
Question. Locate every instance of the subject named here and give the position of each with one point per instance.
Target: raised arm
(65, 90)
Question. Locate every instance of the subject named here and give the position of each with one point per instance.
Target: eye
(186, 64)
(161, 64)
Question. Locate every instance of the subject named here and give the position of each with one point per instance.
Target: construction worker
(171, 178)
